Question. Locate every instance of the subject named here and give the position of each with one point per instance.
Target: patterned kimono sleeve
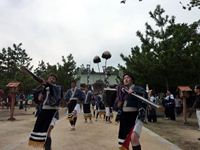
(90, 97)
(80, 95)
(119, 93)
(67, 96)
(119, 98)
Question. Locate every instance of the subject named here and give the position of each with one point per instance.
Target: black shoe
(138, 147)
(47, 144)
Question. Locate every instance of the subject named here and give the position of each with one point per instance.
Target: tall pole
(88, 74)
(106, 55)
(184, 110)
(97, 60)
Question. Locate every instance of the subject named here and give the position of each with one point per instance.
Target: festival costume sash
(86, 107)
(137, 129)
(73, 106)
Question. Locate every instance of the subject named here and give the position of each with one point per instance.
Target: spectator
(152, 116)
(178, 105)
(169, 104)
(21, 100)
(197, 104)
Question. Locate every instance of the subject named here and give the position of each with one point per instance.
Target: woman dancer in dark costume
(48, 115)
(74, 97)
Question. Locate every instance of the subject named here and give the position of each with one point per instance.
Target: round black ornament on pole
(106, 55)
(97, 59)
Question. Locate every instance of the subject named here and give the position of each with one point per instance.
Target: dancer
(86, 103)
(130, 113)
(48, 115)
(73, 97)
(100, 107)
(109, 97)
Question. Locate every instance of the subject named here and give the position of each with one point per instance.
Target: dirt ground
(16, 133)
(183, 135)
(95, 136)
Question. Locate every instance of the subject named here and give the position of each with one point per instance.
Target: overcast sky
(50, 29)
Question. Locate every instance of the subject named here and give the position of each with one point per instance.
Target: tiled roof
(184, 88)
(13, 84)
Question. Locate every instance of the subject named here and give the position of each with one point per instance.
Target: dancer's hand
(130, 91)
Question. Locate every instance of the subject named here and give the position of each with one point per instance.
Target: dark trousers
(152, 115)
(127, 122)
(73, 122)
(170, 113)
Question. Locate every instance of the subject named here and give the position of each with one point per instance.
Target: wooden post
(184, 94)
(12, 107)
(13, 86)
(184, 110)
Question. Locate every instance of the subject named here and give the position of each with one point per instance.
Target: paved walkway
(94, 136)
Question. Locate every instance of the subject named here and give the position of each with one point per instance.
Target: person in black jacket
(196, 104)
(50, 98)
(74, 97)
(130, 113)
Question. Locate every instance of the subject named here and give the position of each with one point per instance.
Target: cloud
(50, 29)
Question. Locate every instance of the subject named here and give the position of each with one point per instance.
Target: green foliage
(67, 71)
(112, 70)
(83, 70)
(191, 4)
(168, 55)
(10, 61)
(12, 58)
(40, 71)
